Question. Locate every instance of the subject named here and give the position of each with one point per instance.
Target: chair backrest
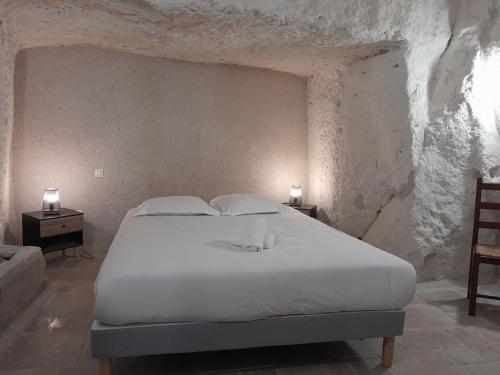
(480, 205)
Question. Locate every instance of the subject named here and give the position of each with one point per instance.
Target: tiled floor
(52, 337)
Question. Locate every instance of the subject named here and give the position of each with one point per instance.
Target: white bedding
(184, 269)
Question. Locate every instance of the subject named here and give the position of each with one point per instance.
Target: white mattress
(183, 269)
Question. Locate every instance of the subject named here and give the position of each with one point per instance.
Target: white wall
(157, 127)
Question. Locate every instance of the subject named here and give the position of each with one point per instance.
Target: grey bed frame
(109, 342)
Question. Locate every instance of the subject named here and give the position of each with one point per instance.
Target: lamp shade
(295, 196)
(51, 202)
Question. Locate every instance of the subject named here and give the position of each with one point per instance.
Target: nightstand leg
(77, 253)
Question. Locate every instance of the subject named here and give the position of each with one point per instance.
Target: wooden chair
(482, 253)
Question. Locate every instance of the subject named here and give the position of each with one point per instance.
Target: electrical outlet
(99, 172)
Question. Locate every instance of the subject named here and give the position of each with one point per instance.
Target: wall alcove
(158, 127)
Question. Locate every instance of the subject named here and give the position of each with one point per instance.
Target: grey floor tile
(368, 365)
(489, 304)
(425, 317)
(440, 337)
(86, 354)
(47, 324)
(444, 294)
(33, 350)
(485, 320)
(428, 286)
(486, 368)
(479, 340)
(464, 355)
(447, 300)
(426, 363)
(425, 340)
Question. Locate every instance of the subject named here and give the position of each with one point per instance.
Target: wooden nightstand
(307, 209)
(55, 232)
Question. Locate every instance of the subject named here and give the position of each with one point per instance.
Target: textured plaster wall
(396, 164)
(6, 124)
(158, 127)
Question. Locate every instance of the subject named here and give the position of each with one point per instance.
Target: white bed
(171, 269)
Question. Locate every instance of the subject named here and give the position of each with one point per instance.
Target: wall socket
(99, 172)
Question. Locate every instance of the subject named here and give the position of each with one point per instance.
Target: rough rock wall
(434, 107)
(461, 140)
(326, 145)
(378, 134)
(414, 128)
(394, 228)
(377, 117)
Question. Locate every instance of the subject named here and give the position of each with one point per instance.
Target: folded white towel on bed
(269, 241)
(250, 234)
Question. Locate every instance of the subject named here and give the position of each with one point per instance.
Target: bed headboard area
(155, 126)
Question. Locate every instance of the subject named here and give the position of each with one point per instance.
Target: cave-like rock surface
(403, 97)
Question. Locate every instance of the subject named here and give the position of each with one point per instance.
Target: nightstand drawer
(54, 227)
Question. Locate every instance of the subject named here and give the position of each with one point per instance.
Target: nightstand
(307, 209)
(54, 232)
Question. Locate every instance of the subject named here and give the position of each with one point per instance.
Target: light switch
(99, 172)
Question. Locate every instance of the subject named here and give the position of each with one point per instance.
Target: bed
(172, 284)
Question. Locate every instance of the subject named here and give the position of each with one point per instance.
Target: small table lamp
(51, 202)
(295, 196)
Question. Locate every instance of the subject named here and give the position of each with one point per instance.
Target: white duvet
(184, 269)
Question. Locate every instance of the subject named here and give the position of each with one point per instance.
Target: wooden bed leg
(387, 351)
(105, 366)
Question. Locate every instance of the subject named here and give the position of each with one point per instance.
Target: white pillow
(175, 205)
(244, 204)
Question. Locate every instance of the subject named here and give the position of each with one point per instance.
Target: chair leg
(387, 351)
(470, 273)
(473, 286)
